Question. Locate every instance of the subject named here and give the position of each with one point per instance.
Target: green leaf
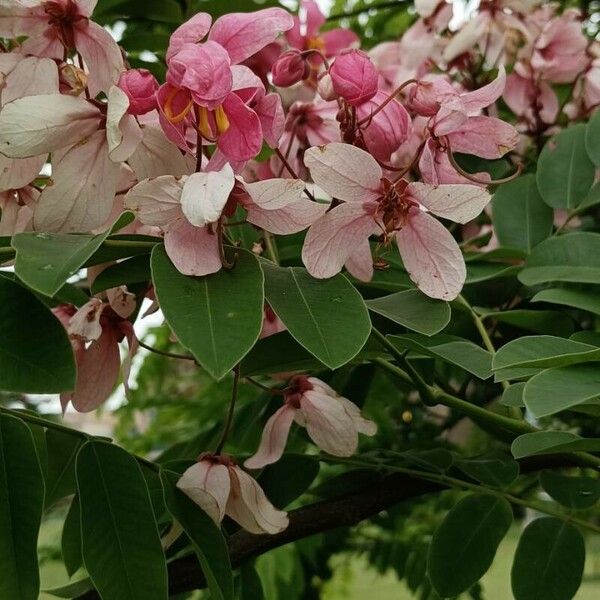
(280, 353)
(513, 395)
(60, 475)
(120, 544)
(46, 260)
(35, 352)
(549, 561)
(207, 539)
(552, 442)
(326, 316)
(71, 539)
(131, 270)
(565, 172)
(72, 590)
(543, 351)
(414, 310)
(21, 506)
(572, 492)
(464, 545)
(539, 321)
(583, 300)
(495, 469)
(250, 585)
(554, 390)
(287, 479)
(477, 272)
(592, 138)
(572, 257)
(452, 349)
(521, 218)
(217, 317)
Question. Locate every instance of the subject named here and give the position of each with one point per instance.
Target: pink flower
(209, 92)
(16, 208)
(290, 68)
(530, 99)
(401, 210)
(354, 77)
(332, 422)
(456, 116)
(219, 487)
(57, 27)
(141, 87)
(188, 210)
(272, 324)
(305, 33)
(95, 331)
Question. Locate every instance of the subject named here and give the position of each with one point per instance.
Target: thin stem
(270, 246)
(165, 353)
(473, 487)
(264, 388)
(291, 171)
(360, 11)
(229, 420)
(391, 97)
(487, 342)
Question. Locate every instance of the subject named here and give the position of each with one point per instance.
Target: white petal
(275, 193)
(457, 202)
(37, 125)
(123, 133)
(157, 201)
(344, 171)
(205, 195)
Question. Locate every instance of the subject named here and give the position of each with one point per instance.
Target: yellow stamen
(221, 120)
(168, 108)
(203, 123)
(315, 43)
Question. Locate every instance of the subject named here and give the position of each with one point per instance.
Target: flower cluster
(296, 129)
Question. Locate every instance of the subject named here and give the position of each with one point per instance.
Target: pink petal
(333, 168)
(176, 132)
(354, 77)
(314, 18)
(244, 34)
(486, 137)
(479, 99)
(243, 138)
(208, 485)
(336, 40)
(122, 130)
(37, 125)
(97, 373)
(32, 76)
(101, 55)
(17, 173)
(83, 190)
(328, 423)
(431, 256)
(360, 262)
(332, 240)
(273, 440)
(156, 156)
(85, 323)
(205, 195)
(272, 118)
(364, 426)
(156, 201)
(193, 250)
(191, 32)
(459, 203)
(248, 505)
(292, 218)
(271, 194)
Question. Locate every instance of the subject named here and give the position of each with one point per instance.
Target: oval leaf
(549, 561)
(572, 492)
(552, 442)
(120, 544)
(35, 352)
(217, 317)
(21, 506)
(464, 545)
(326, 316)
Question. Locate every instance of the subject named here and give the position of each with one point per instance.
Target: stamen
(221, 120)
(204, 124)
(168, 108)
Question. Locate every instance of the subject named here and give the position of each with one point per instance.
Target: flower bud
(290, 68)
(140, 86)
(354, 77)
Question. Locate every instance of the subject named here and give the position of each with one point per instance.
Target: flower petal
(292, 218)
(37, 125)
(208, 485)
(486, 137)
(332, 240)
(334, 168)
(360, 262)
(205, 195)
(457, 202)
(431, 256)
(156, 201)
(244, 34)
(243, 138)
(274, 438)
(123, 133)
(477, 100)
(271, 194)
(248, 505)
(32, 76)
(191, 32)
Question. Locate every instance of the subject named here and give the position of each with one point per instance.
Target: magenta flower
(220, 487)
(141, 87)
(354, 77)
(397, 210)
(332, 422)
(207, 90)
